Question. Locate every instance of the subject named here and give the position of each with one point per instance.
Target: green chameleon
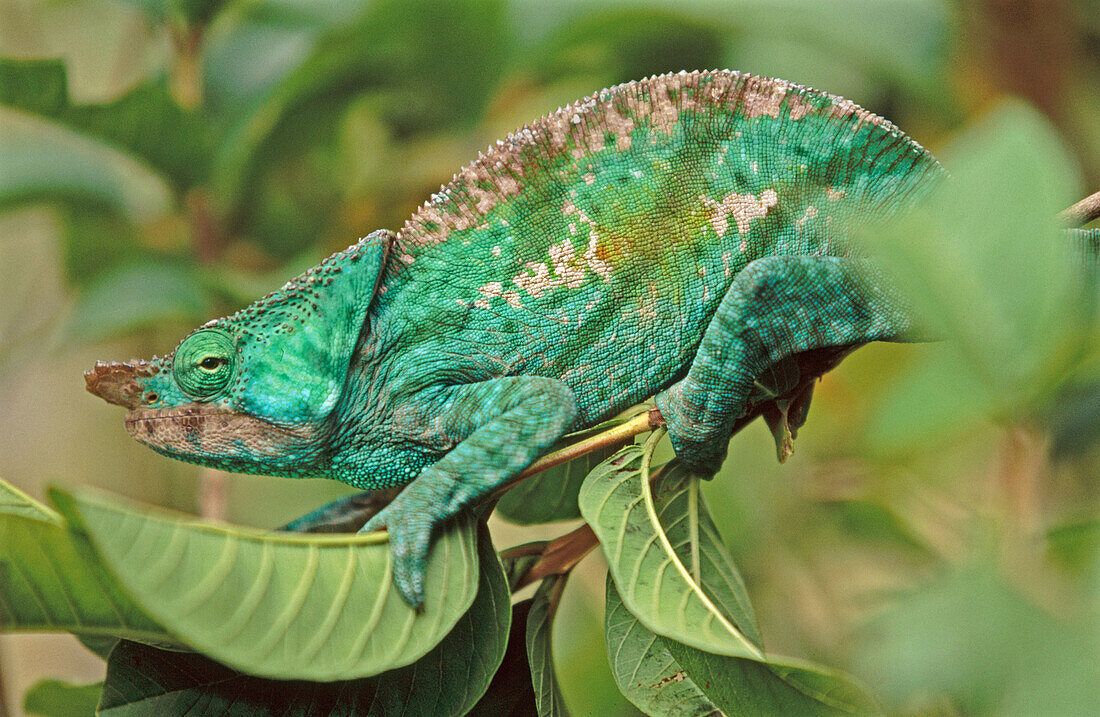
(678, 236)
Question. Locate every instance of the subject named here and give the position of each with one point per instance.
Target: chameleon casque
(674, 236)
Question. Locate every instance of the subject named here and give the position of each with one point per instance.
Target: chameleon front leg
(504, 424)
(775, 308)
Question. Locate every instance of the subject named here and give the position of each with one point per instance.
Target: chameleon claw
(409, 542)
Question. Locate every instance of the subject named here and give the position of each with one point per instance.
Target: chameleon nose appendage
(118, 383)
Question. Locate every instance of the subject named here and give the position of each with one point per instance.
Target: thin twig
(620, 434)
(521, 551)
(693, 526)
(185, 80)
(1083, 211)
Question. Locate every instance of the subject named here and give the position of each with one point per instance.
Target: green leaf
(781, 686)
(15, 502)
(647, 539)
(453, 678)
(661, 676)
(121, 301)
(899, 40)
(277, 604)
(100, 645)
(984, 264)
(145, 122)
(540, 650)
(53, 698)
(40, 159)
(992, 646)
(510, 693)
(448, 680)
(49, 579)
(645, 671)
(432, 79)
(552, 495)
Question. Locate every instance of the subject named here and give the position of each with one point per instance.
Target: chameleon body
(675, 236)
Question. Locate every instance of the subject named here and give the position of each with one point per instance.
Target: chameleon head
(252, 392)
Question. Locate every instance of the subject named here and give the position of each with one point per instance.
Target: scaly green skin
(675, 236)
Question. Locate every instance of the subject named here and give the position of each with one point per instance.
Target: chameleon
(676, 237)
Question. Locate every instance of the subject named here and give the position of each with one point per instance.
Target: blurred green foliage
(936, 532)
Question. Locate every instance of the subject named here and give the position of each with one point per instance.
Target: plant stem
(693, 526)
(560, 555)
(620, 434)
(186, 77)
(1083, 211)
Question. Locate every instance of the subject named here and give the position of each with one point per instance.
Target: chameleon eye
(204, 363)
(212, 363)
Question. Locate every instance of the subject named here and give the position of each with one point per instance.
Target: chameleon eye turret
(205, 363)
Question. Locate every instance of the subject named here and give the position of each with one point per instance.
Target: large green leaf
(647, 536)
(540, 650)
(53, 698)
(664, 677)
(121, 301)
(781, 686)
(448, 680)
(645, 671)
(40, 159)
(50, 580)
(984, 264)
(15, 502)
(145, 122)
(511, 694)
(277, 604)
(431, 79)
(899, 40)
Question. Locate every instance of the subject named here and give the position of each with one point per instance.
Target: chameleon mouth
(203, 432)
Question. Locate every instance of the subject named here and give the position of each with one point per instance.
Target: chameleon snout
(119, 383)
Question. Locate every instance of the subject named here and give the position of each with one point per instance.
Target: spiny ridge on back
(608, 118)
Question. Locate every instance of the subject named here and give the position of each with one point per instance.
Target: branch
(618, 435)
(560, 555)
(1083, 211)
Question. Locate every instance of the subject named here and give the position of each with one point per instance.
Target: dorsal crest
(608, 119)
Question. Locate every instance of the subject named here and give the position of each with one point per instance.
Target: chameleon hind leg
(776, 307)
(502, 425)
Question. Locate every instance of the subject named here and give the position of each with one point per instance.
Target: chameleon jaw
(209, 434)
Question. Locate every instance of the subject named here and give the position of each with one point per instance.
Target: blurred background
(163, 162)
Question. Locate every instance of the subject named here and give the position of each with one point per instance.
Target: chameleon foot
(410, 531)
(702, 457)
